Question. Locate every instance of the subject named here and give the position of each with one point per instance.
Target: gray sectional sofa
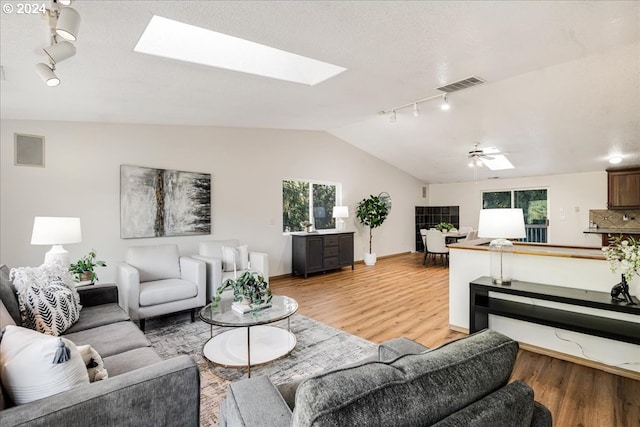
(141, 390)
(462, 383)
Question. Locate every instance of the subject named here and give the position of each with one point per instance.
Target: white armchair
(155, 280)
(220, 263)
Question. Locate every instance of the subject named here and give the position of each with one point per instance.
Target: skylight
(494, 160)
(175, 40)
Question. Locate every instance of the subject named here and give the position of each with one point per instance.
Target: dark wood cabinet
(313, 253)
(623, 188)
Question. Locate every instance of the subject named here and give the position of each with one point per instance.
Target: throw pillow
(27, 365)
(48, 299)
(8, 294)
(235, 258)
(93, 362)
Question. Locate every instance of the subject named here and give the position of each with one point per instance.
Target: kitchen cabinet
(623, 188)
(319, 252)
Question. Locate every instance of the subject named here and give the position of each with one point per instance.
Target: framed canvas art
(162, 202)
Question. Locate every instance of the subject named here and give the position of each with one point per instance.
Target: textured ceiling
(562, 87)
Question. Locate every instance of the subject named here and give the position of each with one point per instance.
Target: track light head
(416, 111)
(58, 52)
(393, 117)
(68, 24)
(445, 103)
(47, 75)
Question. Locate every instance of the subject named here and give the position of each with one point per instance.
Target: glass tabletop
(221, 313)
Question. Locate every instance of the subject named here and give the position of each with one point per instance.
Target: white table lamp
(500, 225)
(340, 212)
(56, 231)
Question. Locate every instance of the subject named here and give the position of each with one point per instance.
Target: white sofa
(210, 251)
(155, 280)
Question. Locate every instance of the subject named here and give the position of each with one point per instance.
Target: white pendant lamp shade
(68, 24)
(60, 51)
(47, 75)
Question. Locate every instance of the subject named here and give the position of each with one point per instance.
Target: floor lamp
(56, 231)
(500, 225)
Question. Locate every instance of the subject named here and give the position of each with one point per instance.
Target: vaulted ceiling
(561, 91)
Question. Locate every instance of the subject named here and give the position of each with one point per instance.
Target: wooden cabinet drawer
(331, 240)
(331, 251)
(331, 262)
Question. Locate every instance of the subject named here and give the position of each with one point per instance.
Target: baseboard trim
(634, 375)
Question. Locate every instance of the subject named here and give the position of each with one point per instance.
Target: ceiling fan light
(68, 24)
(416, 111)
(393, 117)
(47, 75)
(58, 52)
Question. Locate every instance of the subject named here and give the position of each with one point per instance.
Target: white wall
(82, 178)
(583, 191)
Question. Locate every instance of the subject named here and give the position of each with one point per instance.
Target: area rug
(319, 347)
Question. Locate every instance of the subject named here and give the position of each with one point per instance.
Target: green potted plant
(371, 212)
(444, 226)
(250, 289)
(82, 270)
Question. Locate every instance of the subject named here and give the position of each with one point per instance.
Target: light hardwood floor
(400, 297)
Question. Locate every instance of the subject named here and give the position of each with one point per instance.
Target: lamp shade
(501, 224)
(341, 211)
(56, 231)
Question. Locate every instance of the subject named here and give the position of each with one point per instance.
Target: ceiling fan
(492, 157)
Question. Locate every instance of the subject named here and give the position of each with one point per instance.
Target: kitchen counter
(541, 249)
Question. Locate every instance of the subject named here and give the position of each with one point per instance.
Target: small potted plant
(372, 212)
(82, 270)
(250, 289)
(444, 227)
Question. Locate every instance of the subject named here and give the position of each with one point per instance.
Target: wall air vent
(461, 84)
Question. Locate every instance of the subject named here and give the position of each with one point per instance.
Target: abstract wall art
(162, 202)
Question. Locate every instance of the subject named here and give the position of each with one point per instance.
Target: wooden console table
(481, 305)
(319, 252)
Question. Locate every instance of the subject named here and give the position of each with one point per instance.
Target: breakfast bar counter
(578, 268)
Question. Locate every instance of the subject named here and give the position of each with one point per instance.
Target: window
(534, 208)
(308, 201)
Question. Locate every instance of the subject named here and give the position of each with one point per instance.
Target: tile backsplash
(604, 218)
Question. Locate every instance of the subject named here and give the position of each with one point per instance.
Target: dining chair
(436, 245)
(423, 234)
(471, 235)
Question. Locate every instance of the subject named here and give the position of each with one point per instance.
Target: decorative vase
(86, 276)
(620, 292)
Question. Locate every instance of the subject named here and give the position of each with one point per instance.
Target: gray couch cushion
(512, 406)
(111, 339)
(9, 296)
(98, 315)
(413, 390)
(396, 347)
(242, 408)
(130, 360)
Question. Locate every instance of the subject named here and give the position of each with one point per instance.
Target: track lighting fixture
(68, 24)
(58, 52)
(64, 22)
(47, 74)
(414, 104)
(445, 103)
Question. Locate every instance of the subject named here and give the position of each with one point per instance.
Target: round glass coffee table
(252, 341)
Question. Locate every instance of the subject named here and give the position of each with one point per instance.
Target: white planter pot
(370, 259)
